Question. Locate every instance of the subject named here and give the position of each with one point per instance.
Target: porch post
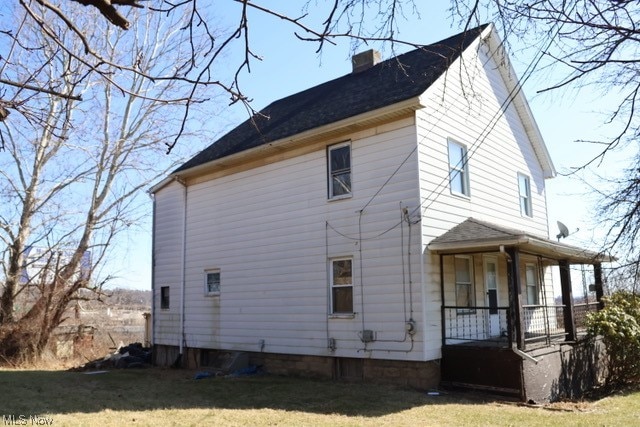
(567, 300)
(597, 273)
(516, 332)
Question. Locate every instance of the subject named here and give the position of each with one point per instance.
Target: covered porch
(508, 302)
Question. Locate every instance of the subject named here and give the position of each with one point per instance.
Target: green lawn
(173, 397)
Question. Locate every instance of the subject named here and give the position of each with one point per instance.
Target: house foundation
(421, 375)
(563, 370)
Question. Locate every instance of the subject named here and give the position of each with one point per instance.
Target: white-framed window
(524, 192)
(339, 170)
(531, 283)
(465, 296)
(458, 168)
(212, 281)
(341, 284)
(164, 297)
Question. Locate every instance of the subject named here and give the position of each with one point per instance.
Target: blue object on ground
(201, 375)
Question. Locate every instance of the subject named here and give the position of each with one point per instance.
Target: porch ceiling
(473, 235)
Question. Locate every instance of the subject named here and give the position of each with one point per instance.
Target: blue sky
(289, 65)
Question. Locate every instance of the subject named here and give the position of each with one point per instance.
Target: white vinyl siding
(271, 233)
(498, 149)
(167, 261)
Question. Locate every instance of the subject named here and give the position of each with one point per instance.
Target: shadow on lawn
(60, 392)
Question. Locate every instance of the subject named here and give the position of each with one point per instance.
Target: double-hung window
(524, 191)
(458, 168)
(339, 163)
(212, 282)
(341, 276)
(464, 284)
(531, 281)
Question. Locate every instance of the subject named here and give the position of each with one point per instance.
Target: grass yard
(174, 397)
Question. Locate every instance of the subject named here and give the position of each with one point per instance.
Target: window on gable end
(524, 190)
(339, 165)
(458, 168)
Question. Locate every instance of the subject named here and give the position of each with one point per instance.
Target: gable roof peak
(379, 85)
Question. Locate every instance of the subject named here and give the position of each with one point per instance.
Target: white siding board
(495, 158)
(493, 163)
(169, 208)
(265, 229)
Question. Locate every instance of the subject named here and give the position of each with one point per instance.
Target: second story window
(458, 169)
(339, 162)
(524, 190)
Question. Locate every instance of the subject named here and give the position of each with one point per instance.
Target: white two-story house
(388, 225)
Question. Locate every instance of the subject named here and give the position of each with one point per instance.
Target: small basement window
(212, 282)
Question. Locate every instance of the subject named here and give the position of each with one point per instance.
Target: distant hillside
(124, 299)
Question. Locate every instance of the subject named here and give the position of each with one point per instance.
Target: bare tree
(319, 23)
(589, 44)
(72, 180)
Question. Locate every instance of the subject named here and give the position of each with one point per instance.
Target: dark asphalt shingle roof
(474, 230)
(474, 233)
(394, 80)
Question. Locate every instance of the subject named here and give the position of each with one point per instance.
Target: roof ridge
(396, 79)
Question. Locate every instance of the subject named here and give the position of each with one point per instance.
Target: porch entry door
(491, 285)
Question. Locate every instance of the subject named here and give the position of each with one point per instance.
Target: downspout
(153, 273)
(443, 325)
(524, 355)
(183, 269)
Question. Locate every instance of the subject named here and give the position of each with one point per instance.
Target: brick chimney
(364, 60)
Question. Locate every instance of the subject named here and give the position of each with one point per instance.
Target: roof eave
(467, 246)
(369, 118)
(160, 185)
(531, 244)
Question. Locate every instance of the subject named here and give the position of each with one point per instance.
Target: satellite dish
(564, 231)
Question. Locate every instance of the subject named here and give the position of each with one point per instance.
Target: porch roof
(473, 235)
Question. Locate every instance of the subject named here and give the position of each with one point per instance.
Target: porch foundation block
(421, 375)
(564, 371)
